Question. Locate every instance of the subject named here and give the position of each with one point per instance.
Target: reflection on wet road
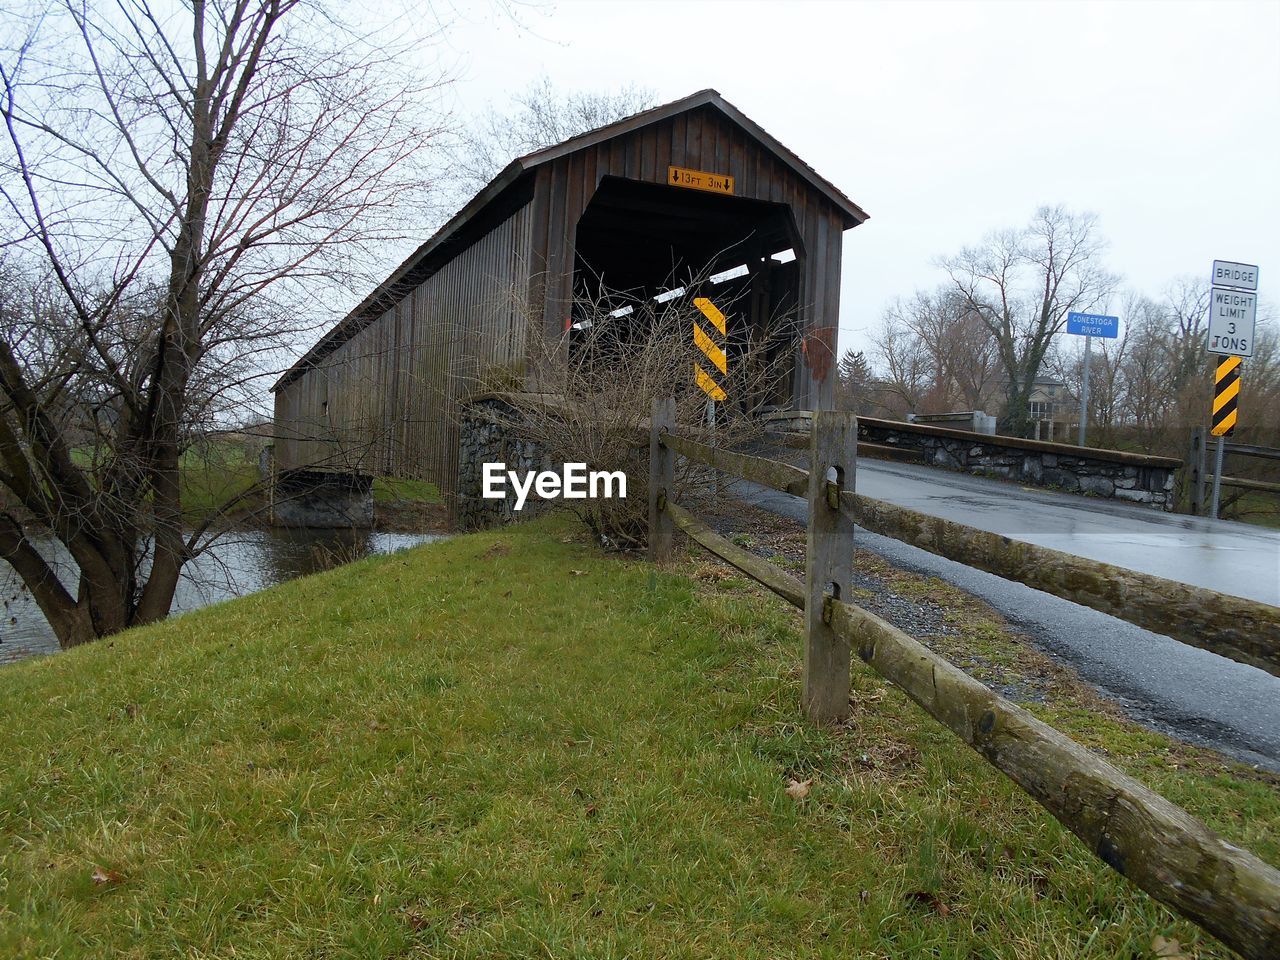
(1233, 558)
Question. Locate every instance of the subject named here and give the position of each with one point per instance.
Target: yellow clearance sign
(700, 180)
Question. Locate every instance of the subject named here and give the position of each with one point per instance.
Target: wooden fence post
(1195, 471)
(828, 563)
(661, 476)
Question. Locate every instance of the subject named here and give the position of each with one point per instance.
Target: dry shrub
(594, 385)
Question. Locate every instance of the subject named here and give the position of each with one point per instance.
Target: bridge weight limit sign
(1233, 314)
(1233, 308)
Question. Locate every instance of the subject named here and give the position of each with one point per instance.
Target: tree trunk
(1016, 421)
(179, 348)
(74, 626)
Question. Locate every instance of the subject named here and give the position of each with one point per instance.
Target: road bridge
(1228, 557)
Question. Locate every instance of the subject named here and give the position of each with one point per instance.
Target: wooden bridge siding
(466, 322)
(392, 388)
(312, 435)
(706, 140)
(349, 435)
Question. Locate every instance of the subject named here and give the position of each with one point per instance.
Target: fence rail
(1245, 483)
(1234, 627)
(1199, 476)
(762, 571)
(1158, 846)
(770, 473)
(1252, 450)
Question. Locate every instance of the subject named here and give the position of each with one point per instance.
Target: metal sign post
(715, 354)
(1084, 392)
(711, 429)
(1089, 325)
(1233, 310)
(1217, 476)
(1226, 390)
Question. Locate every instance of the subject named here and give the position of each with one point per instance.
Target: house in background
(1052, 407)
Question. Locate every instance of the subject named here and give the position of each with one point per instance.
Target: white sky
(946, 120)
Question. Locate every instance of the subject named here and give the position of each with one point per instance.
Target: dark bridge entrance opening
(641, 241)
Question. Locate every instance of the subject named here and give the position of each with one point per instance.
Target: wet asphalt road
(1188, 693)
(1234, 558)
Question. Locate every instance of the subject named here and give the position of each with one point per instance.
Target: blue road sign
(1093, 325)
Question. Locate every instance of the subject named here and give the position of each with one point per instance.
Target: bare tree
(1125, 374)
(1022, 284)
(599, 378)
(1187, 306)
(538, 117)
(179, 178)
(937, 352)
(903, 360)
(1109, 389)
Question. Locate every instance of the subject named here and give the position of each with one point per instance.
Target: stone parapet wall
(1112, 474)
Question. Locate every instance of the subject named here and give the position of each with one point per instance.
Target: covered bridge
(693, 184)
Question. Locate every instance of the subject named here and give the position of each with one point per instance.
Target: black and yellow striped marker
(1226, 389)
(712, 347)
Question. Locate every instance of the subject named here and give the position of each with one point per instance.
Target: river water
(238, 563)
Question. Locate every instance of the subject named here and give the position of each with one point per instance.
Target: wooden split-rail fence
(1157, 845)
(1199, 476)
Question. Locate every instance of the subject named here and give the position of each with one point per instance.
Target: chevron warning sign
(1226, 388)
(709, 375)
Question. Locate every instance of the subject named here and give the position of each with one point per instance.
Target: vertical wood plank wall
(384, 401)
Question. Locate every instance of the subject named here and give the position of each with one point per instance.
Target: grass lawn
(507, 745)
(402, 489)
(211, 475)
(216, 474)
(1256, 507)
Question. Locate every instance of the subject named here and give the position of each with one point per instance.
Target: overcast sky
(947, 120)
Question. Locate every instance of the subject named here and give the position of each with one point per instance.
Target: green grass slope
(506, 745)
